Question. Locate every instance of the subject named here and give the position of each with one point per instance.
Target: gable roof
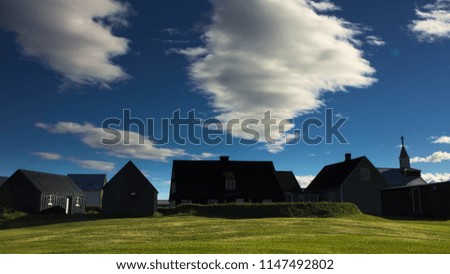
(89, 182)
(3, 179)
(334, 175)
(287, 181)
(396, 177)
(48, 183)
(206, 179)
(130, 172)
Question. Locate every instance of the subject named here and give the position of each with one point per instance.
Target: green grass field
(189, 234)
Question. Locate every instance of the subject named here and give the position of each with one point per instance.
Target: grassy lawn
(189, 234)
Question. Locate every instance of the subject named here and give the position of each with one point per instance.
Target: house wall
(118, 198)
(434, 201)
(365, 194)
(60, 200)
(93, 198)
(19, 194)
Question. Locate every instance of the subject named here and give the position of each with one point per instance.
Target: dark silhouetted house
(33, 192)
(429, 200)
(129, 192)
(92, 186)
(354, 180)
(290, 186)
(224, 181)
(405, 175)
(3, 179)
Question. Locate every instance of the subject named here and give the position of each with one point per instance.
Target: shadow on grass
(34, 220)
(415, 218)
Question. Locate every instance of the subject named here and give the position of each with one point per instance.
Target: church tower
(404, 157)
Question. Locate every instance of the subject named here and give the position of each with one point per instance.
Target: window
(240, 201)
(77, 202)
(332, 197)
(266, 201)
(365, 174)
(186, 202)
(230, 181)
(173, 187)
(213, 202)
(50, 200)
(230, 184)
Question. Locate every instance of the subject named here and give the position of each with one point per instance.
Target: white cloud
(436, 177)
(323, 5)
(375, 41)
(139, 147)
(433, 21)
(436, 157)
(73, 37)
(304, 181)
(48, 156)
(277, 55)
(441, 140)
(190, 53)
(96, 165)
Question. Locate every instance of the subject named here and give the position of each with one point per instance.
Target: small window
(50, 200)
(240, 201)
(77, 202)
(230, 184)
(186, 202)
(267, 201)
(213, 202)
(230, 181)
(332, 197)
(133, 193)
(173, 187)
(365, 174)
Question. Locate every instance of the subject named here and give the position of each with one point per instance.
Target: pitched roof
(334, 175)
(130, 172)
(287, 181)
(51, 183)
(3, 179)
(89, 182)
(206, 179)
(396, 177)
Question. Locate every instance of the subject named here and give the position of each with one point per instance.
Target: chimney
(348, 157)
(224, 158)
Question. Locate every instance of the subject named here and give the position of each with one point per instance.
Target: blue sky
(66, 67)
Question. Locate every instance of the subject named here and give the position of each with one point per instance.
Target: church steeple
(404, 157)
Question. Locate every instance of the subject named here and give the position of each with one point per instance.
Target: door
(417, 206)
(68, 205)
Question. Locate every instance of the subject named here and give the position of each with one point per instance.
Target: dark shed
(129, 192)
(430, 200)
(33, 191)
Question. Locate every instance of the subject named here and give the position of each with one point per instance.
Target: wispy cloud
(441, 140)
(73, 38)
(436, 157)
(138, 147)
(436, 177)
(96, 165)
(433, 21)
(88, 164)
(304, 181)
(48, 155)
(375, 41)
(277, 55)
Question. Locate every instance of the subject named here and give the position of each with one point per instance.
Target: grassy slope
(188, 234)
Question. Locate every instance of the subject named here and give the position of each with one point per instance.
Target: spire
(404, 157)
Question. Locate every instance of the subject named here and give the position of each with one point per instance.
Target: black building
(224, 181)
(129, 192)
(33, 192)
